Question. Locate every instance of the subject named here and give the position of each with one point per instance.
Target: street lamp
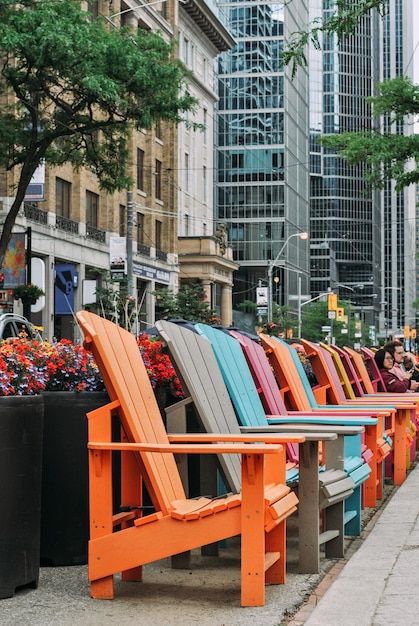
(271, 266)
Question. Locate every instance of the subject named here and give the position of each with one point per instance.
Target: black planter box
(65, 506)
(21, 425)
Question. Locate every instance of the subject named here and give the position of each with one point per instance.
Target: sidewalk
(378, 585)
(376, 581)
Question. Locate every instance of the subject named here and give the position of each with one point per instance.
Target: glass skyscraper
(275, 179)
(261, 187)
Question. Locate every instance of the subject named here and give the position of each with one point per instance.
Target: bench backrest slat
(118, 357)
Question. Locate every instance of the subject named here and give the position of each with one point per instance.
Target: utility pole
(27, 305)
(130, 228)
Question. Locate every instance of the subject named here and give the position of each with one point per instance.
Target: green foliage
(113, 300)
(284, 319)
(345, 16)
(315, 315)
(76, 89)
(386, 155)
(188, 303)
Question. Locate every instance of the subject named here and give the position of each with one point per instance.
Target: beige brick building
(72, 229)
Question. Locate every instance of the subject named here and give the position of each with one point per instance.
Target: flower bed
(29, 367)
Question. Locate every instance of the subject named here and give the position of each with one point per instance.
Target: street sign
(331, 315)
(326, 329)
(262, 310)
(261, 296)
(303, 297)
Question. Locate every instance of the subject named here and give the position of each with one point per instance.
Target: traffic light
(340, 314)
(332, 301)
(413, 333)
(406, 332)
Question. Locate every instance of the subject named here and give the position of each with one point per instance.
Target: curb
(305, 610)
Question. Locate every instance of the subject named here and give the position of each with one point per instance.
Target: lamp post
(271, 266)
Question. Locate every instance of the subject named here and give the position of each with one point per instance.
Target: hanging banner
(118, 257)
(65, 277)
(14, 267)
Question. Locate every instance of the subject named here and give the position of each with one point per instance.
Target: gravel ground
(207, 594)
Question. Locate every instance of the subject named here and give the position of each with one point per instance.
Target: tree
(188, 303)
(315, 315)
(343, 18)
(73, 89)
(387, 155)
(113, 300)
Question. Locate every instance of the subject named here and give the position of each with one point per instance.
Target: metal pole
(130, 227)
(270, 294)
(299, 306)
(27, 305)
(271, 265)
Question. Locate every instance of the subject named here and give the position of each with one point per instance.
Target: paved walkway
(375, 587)
(378, 586)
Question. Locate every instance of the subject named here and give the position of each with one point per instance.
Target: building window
(186, 171)
(140, 169)
(93, 8)
(157, 175)
(158, 234)
(205, 122)
(158, 130)
(122, 220)
(139, 224)
(186, 225)
(92, 209)
(186, 51)
(62, 198)
(204, 185)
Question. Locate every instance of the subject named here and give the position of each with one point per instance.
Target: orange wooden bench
(126, 541)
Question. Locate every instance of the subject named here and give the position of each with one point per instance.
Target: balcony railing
(161, 256)
(34, 214)
(95, 234)
(63, 223)
(143, 249)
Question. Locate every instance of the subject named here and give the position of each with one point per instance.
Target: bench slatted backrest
(350, 371)
(289, 371)
(262, 374)
(362, 372)
(237, 376)
(325, 372)
(196, 365)
(376, 382)
(118, 357)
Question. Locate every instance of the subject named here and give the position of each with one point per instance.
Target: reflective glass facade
(342, 215)
(262, 173)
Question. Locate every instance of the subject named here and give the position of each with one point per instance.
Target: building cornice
(210, 25)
